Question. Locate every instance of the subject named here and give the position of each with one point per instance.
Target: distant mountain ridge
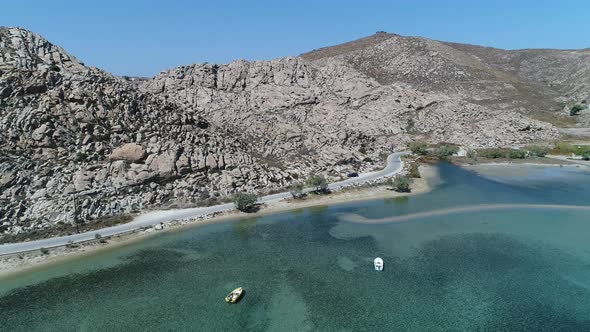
(531, 81)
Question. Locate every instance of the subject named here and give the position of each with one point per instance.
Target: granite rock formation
(198, 133)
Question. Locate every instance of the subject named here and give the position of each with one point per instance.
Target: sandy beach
(12, 265)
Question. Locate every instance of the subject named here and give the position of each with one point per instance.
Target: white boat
(378, 262)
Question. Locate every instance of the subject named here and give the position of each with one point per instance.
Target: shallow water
(505, 269)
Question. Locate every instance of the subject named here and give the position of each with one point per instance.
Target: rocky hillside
(195, 134)
(534, 82)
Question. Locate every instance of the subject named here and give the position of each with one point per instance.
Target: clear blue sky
(144, 37)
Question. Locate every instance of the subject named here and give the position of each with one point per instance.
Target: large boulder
(164, 164)
(131, 152)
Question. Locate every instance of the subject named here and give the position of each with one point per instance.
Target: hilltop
(535, 82)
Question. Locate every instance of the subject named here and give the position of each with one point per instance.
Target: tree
(319, 182)
(419, 148)
(296, 190)
(401, 184)
(244, 201)
(575, 110)
(445, 151)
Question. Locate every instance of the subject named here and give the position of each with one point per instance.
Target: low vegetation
(566, 149)
(319, 182)
(444, 151)
(296, 190)
(63, 229)
(517, 154)
(537, 150)
(401, 183)
(71, 245)
(530, 151)
(419, 148)
(576, 109)
(496, 153)
(245, 201)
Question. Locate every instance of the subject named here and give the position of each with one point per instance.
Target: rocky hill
(534, 82)
(77, 143)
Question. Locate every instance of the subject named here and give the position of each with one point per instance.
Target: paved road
(394, 166)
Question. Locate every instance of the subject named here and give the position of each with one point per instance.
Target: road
(149, 219)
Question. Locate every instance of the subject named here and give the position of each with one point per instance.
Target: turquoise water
(491, 270)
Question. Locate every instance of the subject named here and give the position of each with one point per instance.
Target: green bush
(401, 183)
(244, 201)
(44, 251)
(492, 153)
(445, 151)
(502, 153)
(319, 182)
(419, 148)
(516, 154)
(586, 156)
(537, 151)
(575, 110)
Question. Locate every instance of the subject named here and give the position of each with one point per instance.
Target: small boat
(378, 262)
(234, 296)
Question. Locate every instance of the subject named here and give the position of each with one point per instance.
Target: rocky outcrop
(131, 152)
(24, 50)
(201, 132)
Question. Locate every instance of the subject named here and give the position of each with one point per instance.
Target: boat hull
(234, 296)
(378, 263)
